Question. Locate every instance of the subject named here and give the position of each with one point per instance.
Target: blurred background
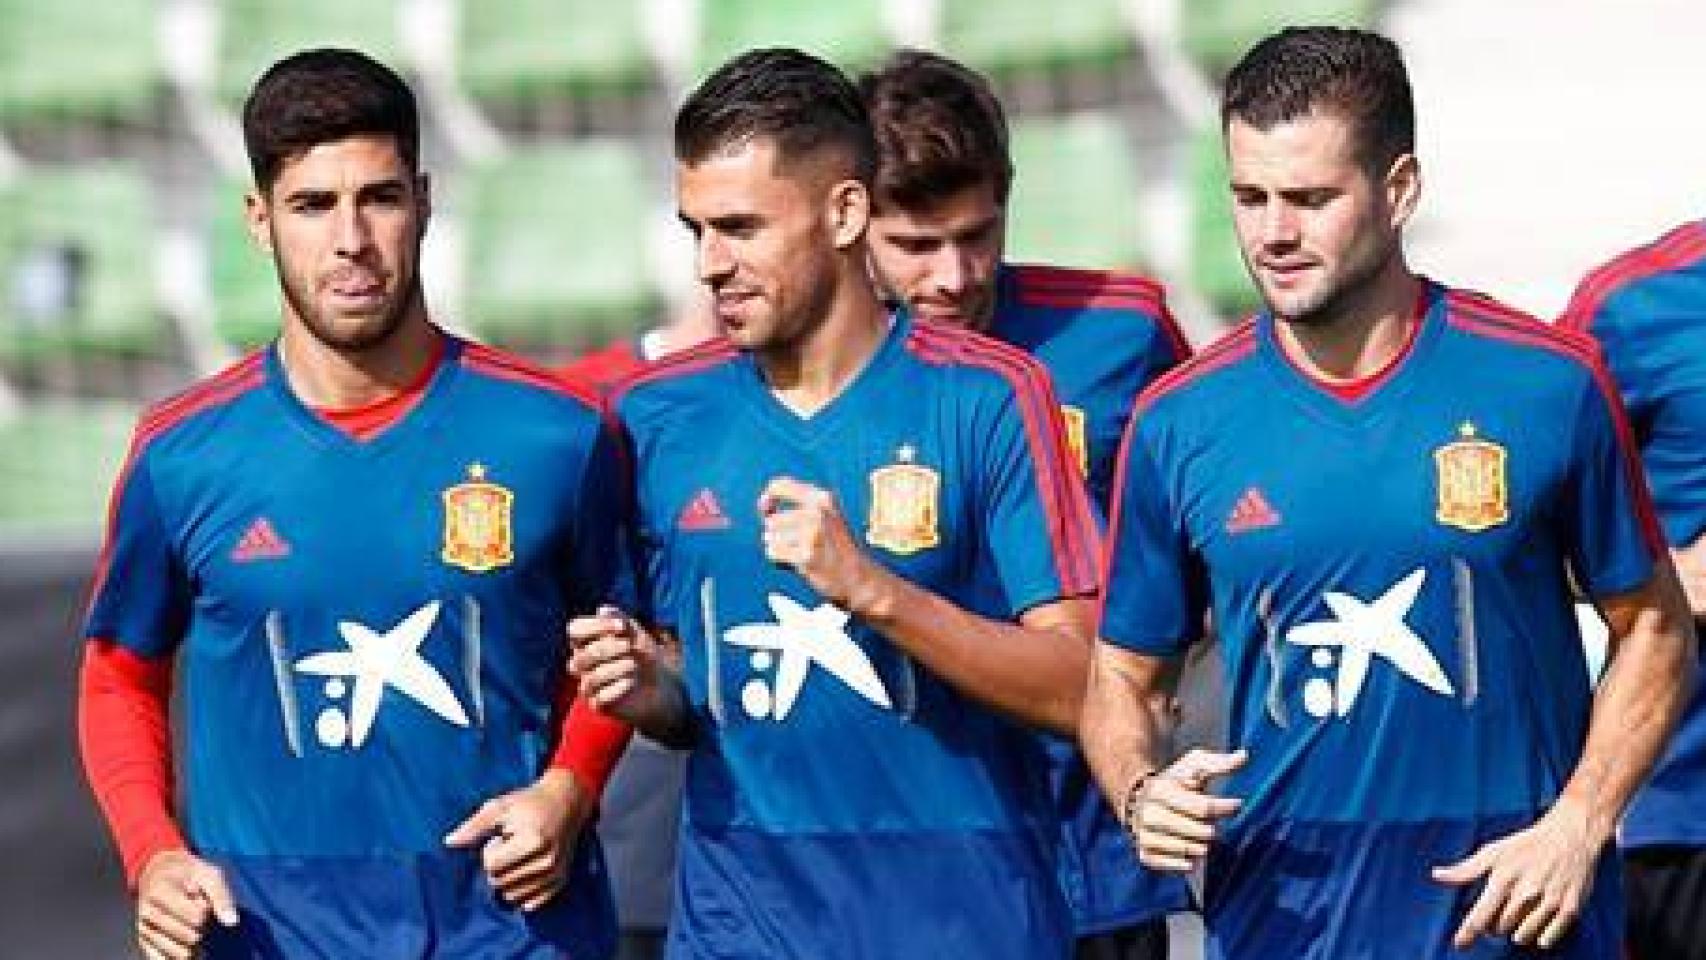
(1553, 134)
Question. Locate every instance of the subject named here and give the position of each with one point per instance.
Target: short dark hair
(939, 130)
(1356, 74)
(801, 103)
(318, 96)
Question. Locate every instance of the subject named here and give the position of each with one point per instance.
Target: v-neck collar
(826, 420)
(318, 429)
(1396, 384)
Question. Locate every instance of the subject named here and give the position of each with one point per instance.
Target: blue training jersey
(1647, 309)
(1103, 337)
(843, 802)
(1388, 582)
(369, 640)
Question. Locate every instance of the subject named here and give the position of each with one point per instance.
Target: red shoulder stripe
(1573, 349)
(680, 363)
(1065, 501)
(1042, 276)
(1681, 247)
(506, 366)
(1224, 352)
(1493, 314)
(222, 388)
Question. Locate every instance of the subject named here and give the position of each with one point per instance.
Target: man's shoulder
(1645, 279)
(1107, 303)
(191, 414)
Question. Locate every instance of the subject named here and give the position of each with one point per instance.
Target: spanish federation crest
(1473, 494)
(904, 505)
(1076, 443)
(477, 534)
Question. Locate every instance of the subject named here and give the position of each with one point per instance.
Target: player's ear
(849, 212)
(257, 216)
(423, 198)
(1403, 186)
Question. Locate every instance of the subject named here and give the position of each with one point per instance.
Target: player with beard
(351, 552)
(938, 231)
(1380, 487)
(863, 530)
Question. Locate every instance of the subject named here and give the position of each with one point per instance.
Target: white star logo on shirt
(1362, 631)
(802, 637)
(377, 661)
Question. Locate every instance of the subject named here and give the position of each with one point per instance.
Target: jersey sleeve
(1040, 531)
(601, 566)
(1666, 402)
(1153, 601)
(140, 599)
(1612, 531)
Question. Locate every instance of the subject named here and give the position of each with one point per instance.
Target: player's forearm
(1127, 725)
(1034, 673)
(124, 735)
(1637, 704)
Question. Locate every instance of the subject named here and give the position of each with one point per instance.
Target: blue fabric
(1103, 337)
(1651, 323)
(1394, 615)
(864, 788)
(286, 756)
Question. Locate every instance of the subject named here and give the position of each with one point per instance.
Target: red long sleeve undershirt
(124, 731)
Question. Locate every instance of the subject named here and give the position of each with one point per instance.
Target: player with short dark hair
(938, 234)
(353, 551)
(1380, 487)
(1647, 310)
(843, 512)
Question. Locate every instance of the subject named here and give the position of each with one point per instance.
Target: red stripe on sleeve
(590, 743)
(1072, 530)
(124, 732)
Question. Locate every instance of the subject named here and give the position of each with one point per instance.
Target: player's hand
(1175, 819)
(527, 837)
(621, 667)
(1533, 882)
(176, 895)
(805, 531)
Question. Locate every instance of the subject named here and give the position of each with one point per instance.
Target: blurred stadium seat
(1003, 36)
(255, 33)
(57, 462)
(851, 33)
(240, 275)
(1217, 32)
(557, 245)
(512, 51)
(65, 62)
(1217, 269)
(1075, 191)
(77, 261)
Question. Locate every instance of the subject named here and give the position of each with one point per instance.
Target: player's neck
(809, 373)
(1365, 336)
(328, 378)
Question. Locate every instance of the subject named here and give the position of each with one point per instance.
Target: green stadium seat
(64, 61)
(77, 262)
(1218, 32)
(557, 245)
(57, 464)
(513, 51)
(1002, 36)
(241, 277)
(850, 33)
(256, 33)
(1075, 192)
(1217, 269)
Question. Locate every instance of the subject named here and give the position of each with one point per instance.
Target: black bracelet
(1133, 799)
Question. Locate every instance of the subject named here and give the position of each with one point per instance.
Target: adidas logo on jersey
(260, 542)
(1251, 512)
(702, 513)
